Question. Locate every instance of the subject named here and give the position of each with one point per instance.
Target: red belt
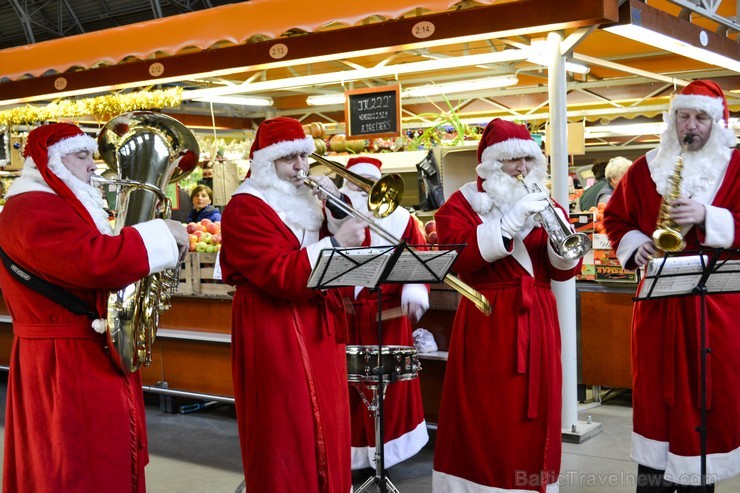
(529, 342)
(54, 331)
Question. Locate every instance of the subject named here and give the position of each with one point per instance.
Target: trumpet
(667, 235)
(480, 301)
(568, 244)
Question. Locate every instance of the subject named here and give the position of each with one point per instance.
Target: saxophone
(147, 151)
(667, 235)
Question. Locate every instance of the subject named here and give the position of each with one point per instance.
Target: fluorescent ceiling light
(464, 86)
(628, 129)
(325, 99)
(362, 73)
(238, 100)
(659, 40)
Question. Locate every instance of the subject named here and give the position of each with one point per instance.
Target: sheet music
(726, 277)
(409, 269)
(341, 269)
(679, 275)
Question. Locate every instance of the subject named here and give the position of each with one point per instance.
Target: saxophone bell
(667, 235)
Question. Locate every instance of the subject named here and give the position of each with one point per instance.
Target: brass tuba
(147, 151)
(667, 235)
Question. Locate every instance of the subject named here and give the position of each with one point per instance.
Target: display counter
(192, 352)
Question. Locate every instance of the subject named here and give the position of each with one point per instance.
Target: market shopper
(665, 331)
(615, 170)
(202, 198)
(404, 431)
(590, 195)
(499, 419)
(289, 363)
(74, 422)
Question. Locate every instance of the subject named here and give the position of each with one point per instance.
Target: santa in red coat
(499, 419)
(666, 332)
(288, 354)
(404, 427)
(74, 422)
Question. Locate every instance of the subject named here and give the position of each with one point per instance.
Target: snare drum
(398, 363)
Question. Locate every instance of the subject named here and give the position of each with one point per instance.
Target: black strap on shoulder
(55, 293)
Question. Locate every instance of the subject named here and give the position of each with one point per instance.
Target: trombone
(480, 301)
(383, 196)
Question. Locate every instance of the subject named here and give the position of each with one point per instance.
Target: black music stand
(371, 267)
(695, 273)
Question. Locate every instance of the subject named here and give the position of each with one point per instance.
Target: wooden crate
(185, 285)
(201, 275)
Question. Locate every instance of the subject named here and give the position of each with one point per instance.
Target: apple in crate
(430, 226)
(191, 228)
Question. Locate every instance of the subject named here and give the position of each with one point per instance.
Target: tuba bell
(147, 151)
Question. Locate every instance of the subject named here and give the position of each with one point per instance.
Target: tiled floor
(199, 452)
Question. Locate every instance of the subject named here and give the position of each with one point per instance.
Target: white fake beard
(90, 196)
(297, 207)
(700, 169)
(504, 190)
(359, 203)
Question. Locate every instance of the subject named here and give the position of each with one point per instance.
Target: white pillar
(565, 292)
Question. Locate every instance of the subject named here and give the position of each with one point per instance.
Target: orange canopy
(234, 23)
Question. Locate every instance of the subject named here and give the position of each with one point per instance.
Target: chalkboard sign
(373, 112)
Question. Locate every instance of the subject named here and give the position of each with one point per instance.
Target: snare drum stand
(382, 482)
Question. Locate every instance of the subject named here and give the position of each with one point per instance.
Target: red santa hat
(52, 142)
(503, 140)
(276, 138)
(703, 95)
(365, 166)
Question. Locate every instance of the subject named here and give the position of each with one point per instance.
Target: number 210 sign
(373, 112)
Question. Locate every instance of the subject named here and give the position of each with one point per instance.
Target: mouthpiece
(687, 139)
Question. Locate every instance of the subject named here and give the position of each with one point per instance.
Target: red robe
(288, 356)
(74, 422)
(404, 427)
(500, 415)
(666, 341)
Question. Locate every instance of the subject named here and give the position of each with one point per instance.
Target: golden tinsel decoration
(99, 107)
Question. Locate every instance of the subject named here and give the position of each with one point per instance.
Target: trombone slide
(480, 301)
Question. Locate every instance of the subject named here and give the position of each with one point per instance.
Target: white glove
(513, 221)
(181, 236)
(328, 185)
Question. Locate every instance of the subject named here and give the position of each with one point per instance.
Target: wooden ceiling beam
(504, 19)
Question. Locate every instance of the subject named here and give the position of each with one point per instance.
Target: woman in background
(201, 197)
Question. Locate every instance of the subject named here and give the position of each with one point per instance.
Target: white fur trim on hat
(69, 145)
(712, 106)
(283, 148)
(366, 169)
(511, 149)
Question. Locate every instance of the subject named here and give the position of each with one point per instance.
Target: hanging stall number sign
(373, 112)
